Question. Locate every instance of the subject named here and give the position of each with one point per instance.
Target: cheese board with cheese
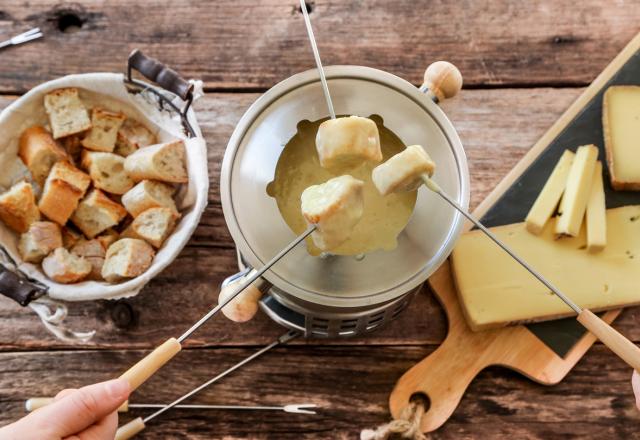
(483, 289)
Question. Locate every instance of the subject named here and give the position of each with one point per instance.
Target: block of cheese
(621, 126)
(596, 213)
(548, 199)
(576, 193)
(495, 291)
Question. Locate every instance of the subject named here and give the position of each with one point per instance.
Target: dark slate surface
(514, 204)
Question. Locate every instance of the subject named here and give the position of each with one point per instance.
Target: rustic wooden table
(523, 64)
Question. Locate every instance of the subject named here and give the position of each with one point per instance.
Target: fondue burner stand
(341, 296)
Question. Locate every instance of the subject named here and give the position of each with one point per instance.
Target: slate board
(514, 204)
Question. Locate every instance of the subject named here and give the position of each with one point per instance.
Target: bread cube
(73, 146)
(97, 213)
(165, 162)
(403, 172)
(39, 151)
(41, 239)
(107, 171)
(107, 238)
(348, 142)
(94, 253)
(132, 136)
(62, 191)
(70, 236)
(104, 130)
(153, 226)
(148, 194)
(127, 258)
(67, 114)
(18, 208)
(64, 267)
(335, 207)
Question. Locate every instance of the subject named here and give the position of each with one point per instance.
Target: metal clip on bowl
(166, 78)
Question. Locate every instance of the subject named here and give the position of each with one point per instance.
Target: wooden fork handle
(146, 367)
(616, 341)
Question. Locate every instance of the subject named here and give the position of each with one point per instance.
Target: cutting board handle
(443, 377)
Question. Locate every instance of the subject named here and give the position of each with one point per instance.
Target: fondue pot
(339, 296)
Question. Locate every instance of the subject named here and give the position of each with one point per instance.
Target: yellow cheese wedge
(547, 201)
(576, 193)
(596, 213)
(495, 291)
(621, 126)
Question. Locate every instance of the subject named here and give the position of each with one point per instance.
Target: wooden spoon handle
(146, 367)
(616, 341)
(127, 431)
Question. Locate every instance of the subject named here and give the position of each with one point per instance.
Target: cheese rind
(621, 126)
(547, 201)
(576, 193)
(495, 291)
(596, 216)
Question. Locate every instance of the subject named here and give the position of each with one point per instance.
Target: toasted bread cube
(41, 239)
(39, 151)
(148, 194)
(107, 171)
(94, 253)
(104, 130)
(73, 146)
(62, 191)
(18, 208)
(70, 236)
(64, 267)
(335, 207)
(97, 213)
(165, 162)
(127, 258)
(153, 226)
(403, 171)
(348, 142)
(67, 114)
(132, 136)
(107, 238)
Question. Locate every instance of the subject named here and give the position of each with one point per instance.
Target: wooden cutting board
(543, 352)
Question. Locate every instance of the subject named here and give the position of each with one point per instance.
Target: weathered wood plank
(248, 44)
(350, 384)
(492, 124)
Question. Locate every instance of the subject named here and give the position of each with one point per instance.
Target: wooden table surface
(523, 64)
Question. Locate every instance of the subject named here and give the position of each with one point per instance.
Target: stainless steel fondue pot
(338, 296)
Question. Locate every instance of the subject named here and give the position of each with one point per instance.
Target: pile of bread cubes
(105, 189)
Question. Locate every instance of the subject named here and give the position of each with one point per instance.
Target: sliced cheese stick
(596, 213)
(576, 194)
(348, 142)
(403, 171)
(335, 207)
(552, 191)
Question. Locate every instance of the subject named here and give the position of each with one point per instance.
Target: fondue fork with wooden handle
(618, 343)
(151, 363)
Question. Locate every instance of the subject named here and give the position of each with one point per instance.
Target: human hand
(635, 383)
(88, 413)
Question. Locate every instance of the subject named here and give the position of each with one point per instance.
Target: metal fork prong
(300, 409)
(27, 36)
(27, 39)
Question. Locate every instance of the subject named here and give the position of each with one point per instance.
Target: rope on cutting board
(406, 427)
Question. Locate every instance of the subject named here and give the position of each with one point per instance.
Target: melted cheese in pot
(298, 167)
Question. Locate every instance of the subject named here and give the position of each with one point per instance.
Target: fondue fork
(31, 34)
(147, 366)
(316, 55)
(618, 343)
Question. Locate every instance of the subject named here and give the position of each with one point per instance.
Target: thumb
(81, 408)
(635, 383)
